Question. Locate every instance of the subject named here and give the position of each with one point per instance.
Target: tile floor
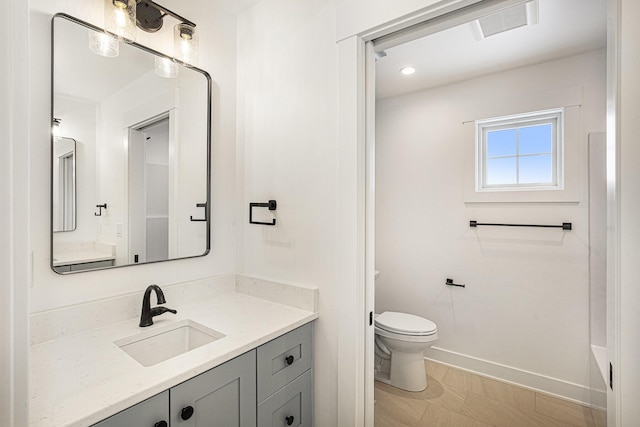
(456, 398)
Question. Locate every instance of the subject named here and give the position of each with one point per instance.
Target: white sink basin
(165, 342)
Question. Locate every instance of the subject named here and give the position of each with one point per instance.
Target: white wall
(526, 304)
(217, 56)
(598, 239)
(287, 132)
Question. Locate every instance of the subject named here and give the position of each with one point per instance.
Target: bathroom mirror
(63, 179)
(130, 183)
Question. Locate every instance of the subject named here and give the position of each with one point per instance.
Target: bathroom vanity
(280, 371)
(257, 371)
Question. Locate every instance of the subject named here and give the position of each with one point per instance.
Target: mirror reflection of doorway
(64, 184)
(67, 190)
(149, 191)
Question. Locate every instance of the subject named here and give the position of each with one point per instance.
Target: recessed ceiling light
(407, 70)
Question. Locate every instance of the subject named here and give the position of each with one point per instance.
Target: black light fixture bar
(166, 12)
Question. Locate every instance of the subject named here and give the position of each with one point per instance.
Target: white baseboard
(552, 386)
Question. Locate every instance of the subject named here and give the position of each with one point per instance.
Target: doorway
(149, 191)
(377, 49)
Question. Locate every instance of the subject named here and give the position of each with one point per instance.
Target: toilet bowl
(400, 341)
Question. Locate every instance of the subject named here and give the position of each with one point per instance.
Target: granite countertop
(81, 379)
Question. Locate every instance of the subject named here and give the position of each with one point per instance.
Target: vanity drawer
(283, 359)
(291, 406)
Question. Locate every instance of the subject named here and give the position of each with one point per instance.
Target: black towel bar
(565, 225)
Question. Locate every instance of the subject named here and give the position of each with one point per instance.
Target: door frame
(357, 204)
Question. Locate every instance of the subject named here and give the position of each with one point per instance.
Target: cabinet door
(222, 397)
(150, 413)
(290, 406)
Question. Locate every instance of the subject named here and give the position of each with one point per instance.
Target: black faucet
(146, 319)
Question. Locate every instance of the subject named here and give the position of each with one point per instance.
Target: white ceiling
(565, 28)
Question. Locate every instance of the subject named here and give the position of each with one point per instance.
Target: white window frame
(554, 116)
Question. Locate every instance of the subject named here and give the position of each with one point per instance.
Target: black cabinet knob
(186, 412)
(289, 360)
(162, 423)
(290, 418)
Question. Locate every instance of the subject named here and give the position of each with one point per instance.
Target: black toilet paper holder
(449, 282)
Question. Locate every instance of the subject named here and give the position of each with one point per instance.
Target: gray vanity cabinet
(285, 380)
(270, 386)
(224, 396)
(150, 413)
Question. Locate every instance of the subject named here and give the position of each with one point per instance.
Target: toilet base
(409, 373)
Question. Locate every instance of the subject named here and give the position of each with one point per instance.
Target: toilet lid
(403, 323)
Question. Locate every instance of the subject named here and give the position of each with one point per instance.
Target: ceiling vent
(507, 19)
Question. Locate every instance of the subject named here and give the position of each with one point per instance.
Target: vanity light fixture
(120, 19)
(122, 16)
(407, 71)
(103, 44)
(150, 16)
(185, 44)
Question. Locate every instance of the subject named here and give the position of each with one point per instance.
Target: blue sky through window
(535, 139)
(502, 142)
(502, 171)
(519, 155)
(535, 169)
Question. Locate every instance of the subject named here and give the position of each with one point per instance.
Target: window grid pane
(520, 153)
(535, 139)
(502, 171)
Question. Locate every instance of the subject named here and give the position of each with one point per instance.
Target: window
(522, 152)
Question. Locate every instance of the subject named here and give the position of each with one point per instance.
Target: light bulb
(185, 44)
(120, 19)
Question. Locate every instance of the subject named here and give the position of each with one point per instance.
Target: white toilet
(401, 339)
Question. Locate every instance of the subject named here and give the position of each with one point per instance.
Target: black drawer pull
(162, 423)
(289, 359)
(186, 412)
(290, 418)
